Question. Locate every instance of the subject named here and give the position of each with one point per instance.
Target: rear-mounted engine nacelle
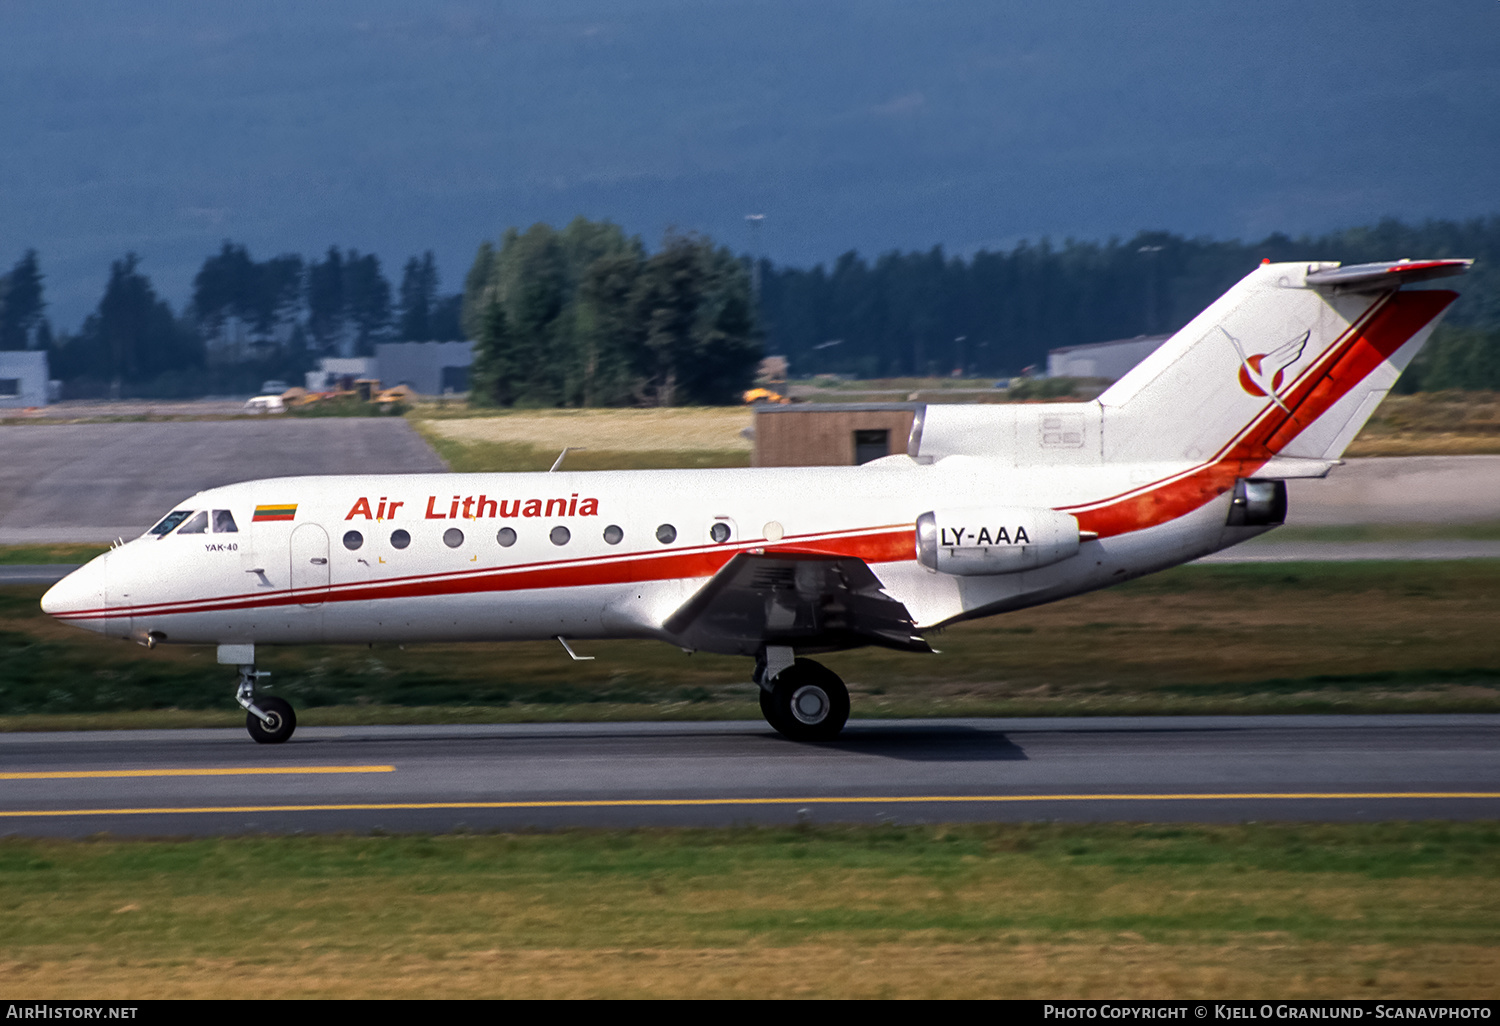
(994, 540)
(1257, 503)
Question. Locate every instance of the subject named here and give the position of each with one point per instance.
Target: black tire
(770, 712)
(807, 702)
(283, 721)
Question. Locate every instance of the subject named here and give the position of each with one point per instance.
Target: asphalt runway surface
(549, 776)
(97, 482)
(1399, 489)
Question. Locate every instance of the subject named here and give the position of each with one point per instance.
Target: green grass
(514, 457)
(14, 555)
(641, 440)
(974, 910)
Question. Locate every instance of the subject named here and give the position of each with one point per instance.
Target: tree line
(996, 313)
(586, 315)
(246, 321)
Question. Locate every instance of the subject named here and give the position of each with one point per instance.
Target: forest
(586, 315)
(996, 313)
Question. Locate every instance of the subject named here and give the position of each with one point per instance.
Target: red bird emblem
(1262, 374)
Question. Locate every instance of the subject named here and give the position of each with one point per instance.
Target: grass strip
(983, 910)
(16, 555)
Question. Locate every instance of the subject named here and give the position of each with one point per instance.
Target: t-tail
(1288, 364)
(1272, 381)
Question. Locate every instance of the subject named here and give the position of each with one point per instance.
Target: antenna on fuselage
(562, 455)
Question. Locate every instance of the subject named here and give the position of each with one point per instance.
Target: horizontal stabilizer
(1374, 277)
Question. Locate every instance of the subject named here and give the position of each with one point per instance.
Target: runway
(550, 776)
(97, 482)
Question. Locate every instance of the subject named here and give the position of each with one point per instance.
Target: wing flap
(811, 601)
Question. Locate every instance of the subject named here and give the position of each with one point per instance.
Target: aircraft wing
(812, 601)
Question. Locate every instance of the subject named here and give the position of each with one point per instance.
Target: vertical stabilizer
(1290, 362)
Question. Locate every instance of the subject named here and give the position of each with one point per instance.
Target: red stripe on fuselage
(875, 545)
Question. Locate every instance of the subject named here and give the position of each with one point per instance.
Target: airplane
(992, 508)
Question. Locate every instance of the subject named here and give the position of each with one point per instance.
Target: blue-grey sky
(395, 127)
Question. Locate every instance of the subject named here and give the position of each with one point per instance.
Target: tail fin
(1290, 362)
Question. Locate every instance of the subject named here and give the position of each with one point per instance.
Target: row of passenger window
(506, 536)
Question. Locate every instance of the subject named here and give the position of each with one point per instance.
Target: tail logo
(1263, 373)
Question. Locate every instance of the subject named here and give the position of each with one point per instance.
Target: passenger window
(197, 525)
(353, 540)
(613, 534)
(453, 537)
(506, 537)
(224, 522)
(719, 532)
(560, 535)
(170, 521)
(400, 539)
(666, 534)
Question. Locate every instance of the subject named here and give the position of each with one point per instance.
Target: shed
(23, 378)
(830, 434)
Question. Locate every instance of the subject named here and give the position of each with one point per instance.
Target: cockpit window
(170, 521)
(224, 522)
(197, 525)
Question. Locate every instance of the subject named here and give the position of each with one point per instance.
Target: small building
(23, 378)
(429, 368)
(1102, 359)
(830, 434)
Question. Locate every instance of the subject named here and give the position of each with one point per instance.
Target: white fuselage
(264, 583)
(999, 507)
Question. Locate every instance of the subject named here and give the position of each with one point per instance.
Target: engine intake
(994, 540)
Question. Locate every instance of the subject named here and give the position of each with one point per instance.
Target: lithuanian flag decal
(283, 511)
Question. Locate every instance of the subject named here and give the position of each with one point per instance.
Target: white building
(23, 378)
(1102, 359)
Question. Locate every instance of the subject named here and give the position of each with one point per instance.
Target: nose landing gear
(270, 720)
(803, 701)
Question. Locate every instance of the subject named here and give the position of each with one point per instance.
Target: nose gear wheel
(278, 725)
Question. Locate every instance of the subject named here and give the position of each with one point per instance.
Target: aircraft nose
(82, 591)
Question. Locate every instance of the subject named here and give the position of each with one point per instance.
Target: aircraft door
(310, 573)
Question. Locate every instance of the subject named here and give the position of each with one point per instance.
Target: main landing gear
(270, 720)
(801, 699)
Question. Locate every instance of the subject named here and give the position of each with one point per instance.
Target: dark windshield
(197, 525)
(170, 521)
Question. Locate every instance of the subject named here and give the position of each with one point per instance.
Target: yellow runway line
(228, 771)
(628, 803)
